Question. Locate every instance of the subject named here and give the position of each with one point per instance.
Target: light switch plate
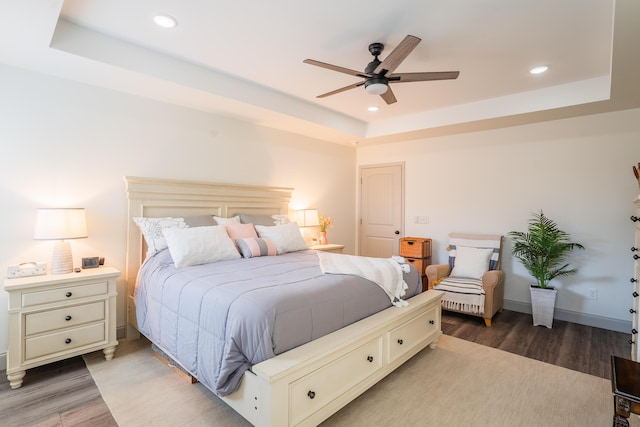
(27, 269)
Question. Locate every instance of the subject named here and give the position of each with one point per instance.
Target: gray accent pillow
(256, 219)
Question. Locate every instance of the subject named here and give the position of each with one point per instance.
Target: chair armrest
(492, 278)
(436, 272)
(493, 284)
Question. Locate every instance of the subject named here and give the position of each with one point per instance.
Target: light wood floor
(64, 394)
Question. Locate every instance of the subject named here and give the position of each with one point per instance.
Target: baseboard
(121, 332)
(575, 317)
(3, 361)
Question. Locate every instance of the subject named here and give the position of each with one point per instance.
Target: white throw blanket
(385, 272)
(462, 294)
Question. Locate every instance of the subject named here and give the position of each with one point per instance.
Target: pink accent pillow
(241, 231)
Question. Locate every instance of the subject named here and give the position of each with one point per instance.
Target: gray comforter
(219, 319)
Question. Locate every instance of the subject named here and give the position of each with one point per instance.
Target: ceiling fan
(378, 74)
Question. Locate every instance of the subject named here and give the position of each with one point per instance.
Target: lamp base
(62, 262)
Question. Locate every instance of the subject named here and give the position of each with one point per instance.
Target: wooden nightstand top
(330, 247)
(53, 279)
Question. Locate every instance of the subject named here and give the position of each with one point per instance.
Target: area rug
(457, 384)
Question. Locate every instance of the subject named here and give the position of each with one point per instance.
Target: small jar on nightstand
(329, 247)
(55, 317)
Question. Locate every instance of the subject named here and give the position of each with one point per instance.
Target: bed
(305, 384)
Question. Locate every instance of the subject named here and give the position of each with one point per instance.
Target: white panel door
(381, 210)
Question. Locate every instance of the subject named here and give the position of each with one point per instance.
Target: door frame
(359, 197)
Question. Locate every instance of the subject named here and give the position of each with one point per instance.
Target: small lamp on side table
(307, 218)
(61, 224)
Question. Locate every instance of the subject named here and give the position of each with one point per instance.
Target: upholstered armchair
(472, 281)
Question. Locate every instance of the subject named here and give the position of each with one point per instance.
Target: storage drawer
(36, 323)
(419, 263)
(67, 293)
(313, 391)
(69, 339)
(406, 336)
(415, 247)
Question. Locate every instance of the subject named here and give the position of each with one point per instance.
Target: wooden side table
(417, 251)
(625, 384)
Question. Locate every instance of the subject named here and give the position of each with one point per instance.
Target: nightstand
(55, 317)
(330, 247)
(417, 251)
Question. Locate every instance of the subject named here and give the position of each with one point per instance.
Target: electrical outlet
(593, 293)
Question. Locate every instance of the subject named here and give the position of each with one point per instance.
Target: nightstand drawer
(419, 263)
(415, 247)
(36, 323)
(68, 293)
(66, 340)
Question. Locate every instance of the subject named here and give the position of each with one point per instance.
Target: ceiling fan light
(376, 88)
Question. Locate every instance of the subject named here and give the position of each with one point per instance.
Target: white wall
(578, 171)
(68, 144)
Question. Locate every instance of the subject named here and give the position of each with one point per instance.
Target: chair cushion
(475, 241)
(471, 262)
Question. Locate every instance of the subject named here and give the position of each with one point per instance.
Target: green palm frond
(543, 248)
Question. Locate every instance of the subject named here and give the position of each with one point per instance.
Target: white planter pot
(543, 302)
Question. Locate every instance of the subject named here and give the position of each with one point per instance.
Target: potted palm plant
(543, 250)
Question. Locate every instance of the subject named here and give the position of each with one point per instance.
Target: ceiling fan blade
(333, 92)
(397, 55)
(423, 77)
(336, 68)
(389, 97)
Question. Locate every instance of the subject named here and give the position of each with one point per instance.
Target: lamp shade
(60, 224)
(307, 218)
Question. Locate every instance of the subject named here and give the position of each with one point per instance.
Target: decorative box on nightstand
(329, 247)
(417, 251)
(55, 317)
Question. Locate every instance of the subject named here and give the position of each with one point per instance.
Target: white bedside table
(55, 317)
(330, 247)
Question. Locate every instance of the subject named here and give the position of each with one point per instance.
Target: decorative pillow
(224, 221)
(286, 237)
(241, 231)
(256, 219)
(255, 246)
(199, 221)
(151, 229)
(471, 262)
(199, 245)
(280, 219)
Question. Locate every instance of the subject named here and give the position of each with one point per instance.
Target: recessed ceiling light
(373, 108)
(165, 21)
(539, 70)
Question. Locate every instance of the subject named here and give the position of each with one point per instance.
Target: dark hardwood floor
(64, 394)
(570, 345)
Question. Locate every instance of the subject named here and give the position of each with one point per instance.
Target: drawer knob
(634, 249)
(635, 294)
(634, 331)
(67, 318)
(68, 294)
(636, 256)
(311, 394)
(400, 341)
(631, 310)
(633, 280)
(630, 342)
(370, 359)
(432, 322)
(67, 341)
(635, 218)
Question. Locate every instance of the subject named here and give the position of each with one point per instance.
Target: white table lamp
(61, 224)
(307, 218)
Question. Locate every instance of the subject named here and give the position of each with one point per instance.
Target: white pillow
(286, 237)
(224, 221)
(471, 262)
(151, 229)
(199, 245)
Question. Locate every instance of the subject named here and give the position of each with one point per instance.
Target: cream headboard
(152, 197)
